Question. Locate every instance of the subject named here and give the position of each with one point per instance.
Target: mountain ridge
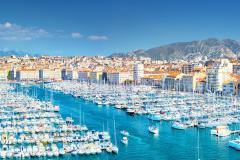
(16, 53)
(197, 49)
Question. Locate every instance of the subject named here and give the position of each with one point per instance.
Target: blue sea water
(170, 144)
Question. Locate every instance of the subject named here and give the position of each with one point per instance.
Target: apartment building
(83, 76)
(230, 88)
(187, 68)
(69, 74)
(120, 77)
(3, 75)
(218, 74)
(95, 77)
(236, 69)
(27, 74)
(189, 82)
(138, 72)
(50, 74)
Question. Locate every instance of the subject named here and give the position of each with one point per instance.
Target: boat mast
(198, 144)
(115, 138)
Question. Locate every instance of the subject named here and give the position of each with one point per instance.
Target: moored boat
(124, 140)
(153, 129)
(124, 133)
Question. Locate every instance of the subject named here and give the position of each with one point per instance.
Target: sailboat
(198, 144)
(114, 147)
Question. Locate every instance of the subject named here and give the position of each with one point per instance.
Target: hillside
(211, 48)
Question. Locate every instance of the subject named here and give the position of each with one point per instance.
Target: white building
(3, 75)
(218, 74)
(50, 74)
(120, 77)
(75, 75)
(27, 74)
(138, 72)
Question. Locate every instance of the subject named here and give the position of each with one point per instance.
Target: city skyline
(106, 27)
(119, 79)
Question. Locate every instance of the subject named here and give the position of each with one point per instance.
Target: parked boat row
(184, 110)
(31, 128)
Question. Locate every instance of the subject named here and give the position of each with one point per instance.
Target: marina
(33, 128)
(119, 80)
(168, 136)
(62, 128)
(185, 110)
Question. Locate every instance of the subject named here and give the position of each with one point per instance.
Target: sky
(103, 27)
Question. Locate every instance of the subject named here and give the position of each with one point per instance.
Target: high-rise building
(138, 72)
(218, 74)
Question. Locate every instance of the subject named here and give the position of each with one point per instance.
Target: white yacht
(124, 140)
(221, 131)
(178, 125)
(153, 129)
(115, 149)
(234, 144)
(124, 133)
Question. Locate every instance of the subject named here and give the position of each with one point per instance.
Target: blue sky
(102, 27)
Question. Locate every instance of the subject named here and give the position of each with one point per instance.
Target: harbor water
(169, 144)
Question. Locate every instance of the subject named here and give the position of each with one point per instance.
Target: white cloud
(7, 25)
(76, 35)
(97, 38)
(14, 32)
